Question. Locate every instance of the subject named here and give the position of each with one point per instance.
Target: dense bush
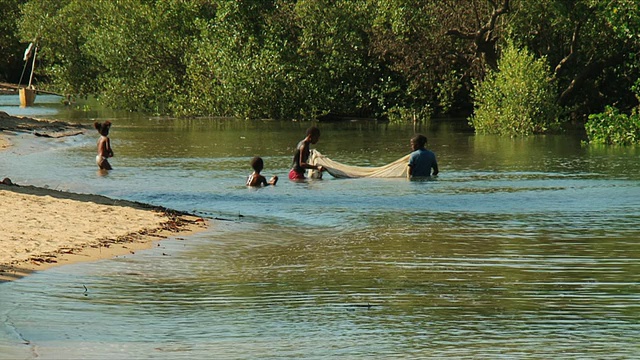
(518, 99)
(300, 58)
(613, 127)
(10, 47)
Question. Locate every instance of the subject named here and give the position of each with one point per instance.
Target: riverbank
(41, 228)
(41, 128)
(10, 125)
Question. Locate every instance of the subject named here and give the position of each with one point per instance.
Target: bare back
(104, 147)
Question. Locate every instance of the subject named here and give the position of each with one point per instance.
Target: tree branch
(459, 34)
(572, 51)
(483, 38)
(589, 71)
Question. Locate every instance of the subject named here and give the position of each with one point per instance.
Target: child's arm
(305, 154)
(109, 151)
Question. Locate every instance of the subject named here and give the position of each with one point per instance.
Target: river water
(521, 248)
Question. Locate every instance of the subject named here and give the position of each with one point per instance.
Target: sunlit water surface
(521, 248)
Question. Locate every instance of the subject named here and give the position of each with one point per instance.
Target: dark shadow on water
(10, 273)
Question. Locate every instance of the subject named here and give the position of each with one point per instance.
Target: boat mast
(33, 65)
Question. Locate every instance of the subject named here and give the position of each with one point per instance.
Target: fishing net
(397, 168)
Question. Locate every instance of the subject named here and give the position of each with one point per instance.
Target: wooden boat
(27, 96)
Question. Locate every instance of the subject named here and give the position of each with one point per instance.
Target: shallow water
(522, 248)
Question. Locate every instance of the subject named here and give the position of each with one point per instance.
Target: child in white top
(104, 145)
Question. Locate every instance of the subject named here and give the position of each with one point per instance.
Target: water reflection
(522, 248)
(383, 292)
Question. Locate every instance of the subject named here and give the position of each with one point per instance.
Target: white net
(397, 168)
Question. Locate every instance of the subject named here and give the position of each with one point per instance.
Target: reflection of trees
(540, 153)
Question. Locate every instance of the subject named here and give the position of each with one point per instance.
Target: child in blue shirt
(421, 160)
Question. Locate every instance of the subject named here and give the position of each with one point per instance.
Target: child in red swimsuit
(301, 155)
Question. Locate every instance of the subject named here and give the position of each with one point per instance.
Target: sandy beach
(41, 228)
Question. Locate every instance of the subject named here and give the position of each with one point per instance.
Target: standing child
(104, 145)
(301, 155)
(421, 160)
(256, 179)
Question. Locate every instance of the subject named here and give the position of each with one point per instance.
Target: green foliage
(11, 62)
(129, 52)
(282, 59)
(301, 58)
(613, 128)
(518, 99)
(142, 69)
(447, 90)
(592, 46)
(254, 58)
(59, 28)
(623, 16)
(241, 63)
(334, 42)
(402, 115)
(413, 56)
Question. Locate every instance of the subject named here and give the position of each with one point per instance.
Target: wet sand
(41, 228)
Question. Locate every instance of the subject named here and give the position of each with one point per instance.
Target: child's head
(314, 133)
(418, 141)
(257, 164)
(103, 128)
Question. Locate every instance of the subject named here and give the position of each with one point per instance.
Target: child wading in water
(301, 155)
(256, 179)
(421, 160)
(104, 145)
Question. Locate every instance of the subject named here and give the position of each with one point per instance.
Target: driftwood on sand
(39, 127)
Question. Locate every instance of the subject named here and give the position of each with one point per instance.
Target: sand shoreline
(41, 228)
